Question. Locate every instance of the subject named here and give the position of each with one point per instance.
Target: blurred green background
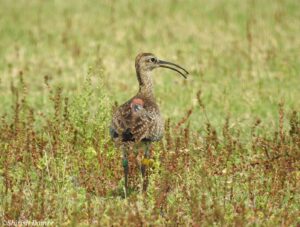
(242, 55)
(57, 161)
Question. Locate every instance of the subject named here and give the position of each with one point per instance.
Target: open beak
(175, 67)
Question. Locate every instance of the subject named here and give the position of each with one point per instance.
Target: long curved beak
(175, 67)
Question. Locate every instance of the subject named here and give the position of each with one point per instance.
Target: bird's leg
(145, 164)
(125, 167)
(136, 149)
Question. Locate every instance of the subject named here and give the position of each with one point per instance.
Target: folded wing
(135, 122)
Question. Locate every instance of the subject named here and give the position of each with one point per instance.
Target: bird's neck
(145, 83)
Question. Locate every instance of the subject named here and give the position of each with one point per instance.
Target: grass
(234, 160)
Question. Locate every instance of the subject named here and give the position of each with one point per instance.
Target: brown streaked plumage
(139, 120)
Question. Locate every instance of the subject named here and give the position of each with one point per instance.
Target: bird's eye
(152, 60)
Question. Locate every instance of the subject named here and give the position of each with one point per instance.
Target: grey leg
(125, 167)
(145, 164)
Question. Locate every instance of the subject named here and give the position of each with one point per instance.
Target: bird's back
(137, 120)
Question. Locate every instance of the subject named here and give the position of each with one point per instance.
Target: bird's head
(146, 62)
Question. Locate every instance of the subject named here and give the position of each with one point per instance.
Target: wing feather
(146, 123)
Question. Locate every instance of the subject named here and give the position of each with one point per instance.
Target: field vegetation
(231, 151)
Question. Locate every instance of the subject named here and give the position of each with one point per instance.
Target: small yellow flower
(147, 162)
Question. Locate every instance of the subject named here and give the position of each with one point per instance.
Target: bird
(139, 121)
